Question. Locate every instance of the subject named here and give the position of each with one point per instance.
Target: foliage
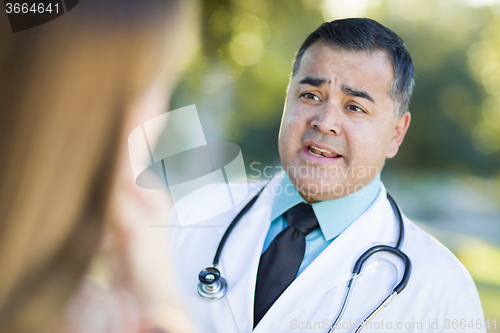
(239, 77)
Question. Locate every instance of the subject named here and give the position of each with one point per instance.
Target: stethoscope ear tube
(395, 208)
(385, 248)
(361, 260)
(232, 225)
(212, 285)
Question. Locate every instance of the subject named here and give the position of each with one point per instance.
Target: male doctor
(289, 259)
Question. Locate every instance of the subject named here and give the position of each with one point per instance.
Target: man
(289, 260)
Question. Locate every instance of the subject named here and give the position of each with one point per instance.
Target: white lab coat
(439, 295)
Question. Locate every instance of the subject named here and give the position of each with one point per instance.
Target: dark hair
(361, 34)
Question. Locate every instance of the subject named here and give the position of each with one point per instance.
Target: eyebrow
(319, 81)
(314, 81)
(356, 93)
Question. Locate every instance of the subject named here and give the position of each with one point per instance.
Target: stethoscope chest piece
(212, 285)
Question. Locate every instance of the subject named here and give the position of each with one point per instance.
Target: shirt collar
(334, 216)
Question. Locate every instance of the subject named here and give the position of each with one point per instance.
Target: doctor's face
(339, 123)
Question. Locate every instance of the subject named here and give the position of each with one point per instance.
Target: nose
(328, 120)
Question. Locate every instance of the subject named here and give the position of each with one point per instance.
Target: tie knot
(302, 218)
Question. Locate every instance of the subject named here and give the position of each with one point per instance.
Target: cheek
(367, 145)
(292, 130)
(285, 137)
(293, 126)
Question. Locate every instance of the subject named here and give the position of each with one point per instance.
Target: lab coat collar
(332, 267)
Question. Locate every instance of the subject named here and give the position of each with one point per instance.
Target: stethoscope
(213, 286)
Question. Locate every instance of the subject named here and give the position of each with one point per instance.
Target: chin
(321, 188)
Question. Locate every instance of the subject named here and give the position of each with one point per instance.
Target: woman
(70, 92)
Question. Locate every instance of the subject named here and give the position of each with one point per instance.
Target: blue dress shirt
(334, 216)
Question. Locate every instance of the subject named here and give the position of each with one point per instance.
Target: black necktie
(280, 263)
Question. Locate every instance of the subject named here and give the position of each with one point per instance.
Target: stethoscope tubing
(396, 250)
(386, 248)
(232, 225)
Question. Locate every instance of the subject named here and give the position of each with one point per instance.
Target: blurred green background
(447, 173)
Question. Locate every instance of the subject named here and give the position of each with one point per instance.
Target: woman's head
(65, 88)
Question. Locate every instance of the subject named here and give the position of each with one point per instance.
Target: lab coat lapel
(241, 259)
(333, 267)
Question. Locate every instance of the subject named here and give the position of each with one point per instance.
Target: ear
(399, 133)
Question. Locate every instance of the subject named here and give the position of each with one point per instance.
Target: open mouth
(321, 152)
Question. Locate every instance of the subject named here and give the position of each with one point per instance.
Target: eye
(355, 109)
(310, 97)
